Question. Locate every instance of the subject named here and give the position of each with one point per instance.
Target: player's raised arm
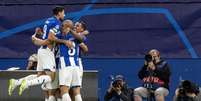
(37, 41)
(77, 35)
(85, 32)
(52, 38)
(66, 25)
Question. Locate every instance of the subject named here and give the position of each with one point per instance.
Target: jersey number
(45, 31)
(71, 52)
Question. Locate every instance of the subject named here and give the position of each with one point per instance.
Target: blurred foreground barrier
(89, 88)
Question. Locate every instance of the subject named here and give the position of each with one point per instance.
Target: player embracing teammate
(63, 39)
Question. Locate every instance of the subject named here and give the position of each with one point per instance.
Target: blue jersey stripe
(70, 55)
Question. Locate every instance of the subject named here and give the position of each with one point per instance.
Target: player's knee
(51, 74)
(40, 73)
(76, 91)
(64, 89)
(52, 92)
(58, 93)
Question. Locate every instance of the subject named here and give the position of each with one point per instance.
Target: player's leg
(65, 78)
(13, 83)
(51, 94)
(74, 91)
(77, 94)
(47, 61)
(52, 88)
(43, 79)
(65, 93)
(71, 88)
(81, 69)
(46, 95)
(71, 94)
(76, 84)
(56, 82)
(58, 94)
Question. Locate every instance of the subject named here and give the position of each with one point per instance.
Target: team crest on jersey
(57, 26)
(47, 22)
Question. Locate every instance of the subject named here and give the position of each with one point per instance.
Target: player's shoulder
(59, 35)
(69, 36)
(51, 21)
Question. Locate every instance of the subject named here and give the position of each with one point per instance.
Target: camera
(187, 87)
(148, 58)
(117, 80)
(116, 83)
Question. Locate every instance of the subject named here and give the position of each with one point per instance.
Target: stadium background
(121, 32)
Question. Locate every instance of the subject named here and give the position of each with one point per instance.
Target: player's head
(66, 25)
(80, 26)
(58, 11)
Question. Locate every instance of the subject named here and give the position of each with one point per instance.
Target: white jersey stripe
(72, 61)
(63, 64)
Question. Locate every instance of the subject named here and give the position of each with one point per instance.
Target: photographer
(32, 62)
(155, 75)
(118, 90)
(187, 91)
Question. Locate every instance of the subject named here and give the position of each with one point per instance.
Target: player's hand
(86, 32)
(68, 43)
(33, 37)
(38, 31)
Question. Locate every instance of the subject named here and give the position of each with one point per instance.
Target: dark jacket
(156, 78)
(185, 87)
(126, 95)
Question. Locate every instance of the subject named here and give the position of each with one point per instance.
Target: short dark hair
(57, 9)
(84, 26)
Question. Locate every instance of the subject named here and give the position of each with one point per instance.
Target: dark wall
(89, 90)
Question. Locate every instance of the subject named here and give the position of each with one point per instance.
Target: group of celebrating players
(61, 45)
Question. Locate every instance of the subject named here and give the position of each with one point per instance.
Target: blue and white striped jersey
(51, 25)
(69, 56)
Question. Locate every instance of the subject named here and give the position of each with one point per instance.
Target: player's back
(52, 24)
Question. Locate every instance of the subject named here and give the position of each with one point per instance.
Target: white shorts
(46, 60)
(81, 69)
(70, 76)
(54, 84)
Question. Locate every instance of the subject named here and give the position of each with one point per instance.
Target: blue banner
(125, 29)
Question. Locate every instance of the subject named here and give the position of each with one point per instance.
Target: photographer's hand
(110, 89)
(151, 66)
(117, 89)
(191, 95)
